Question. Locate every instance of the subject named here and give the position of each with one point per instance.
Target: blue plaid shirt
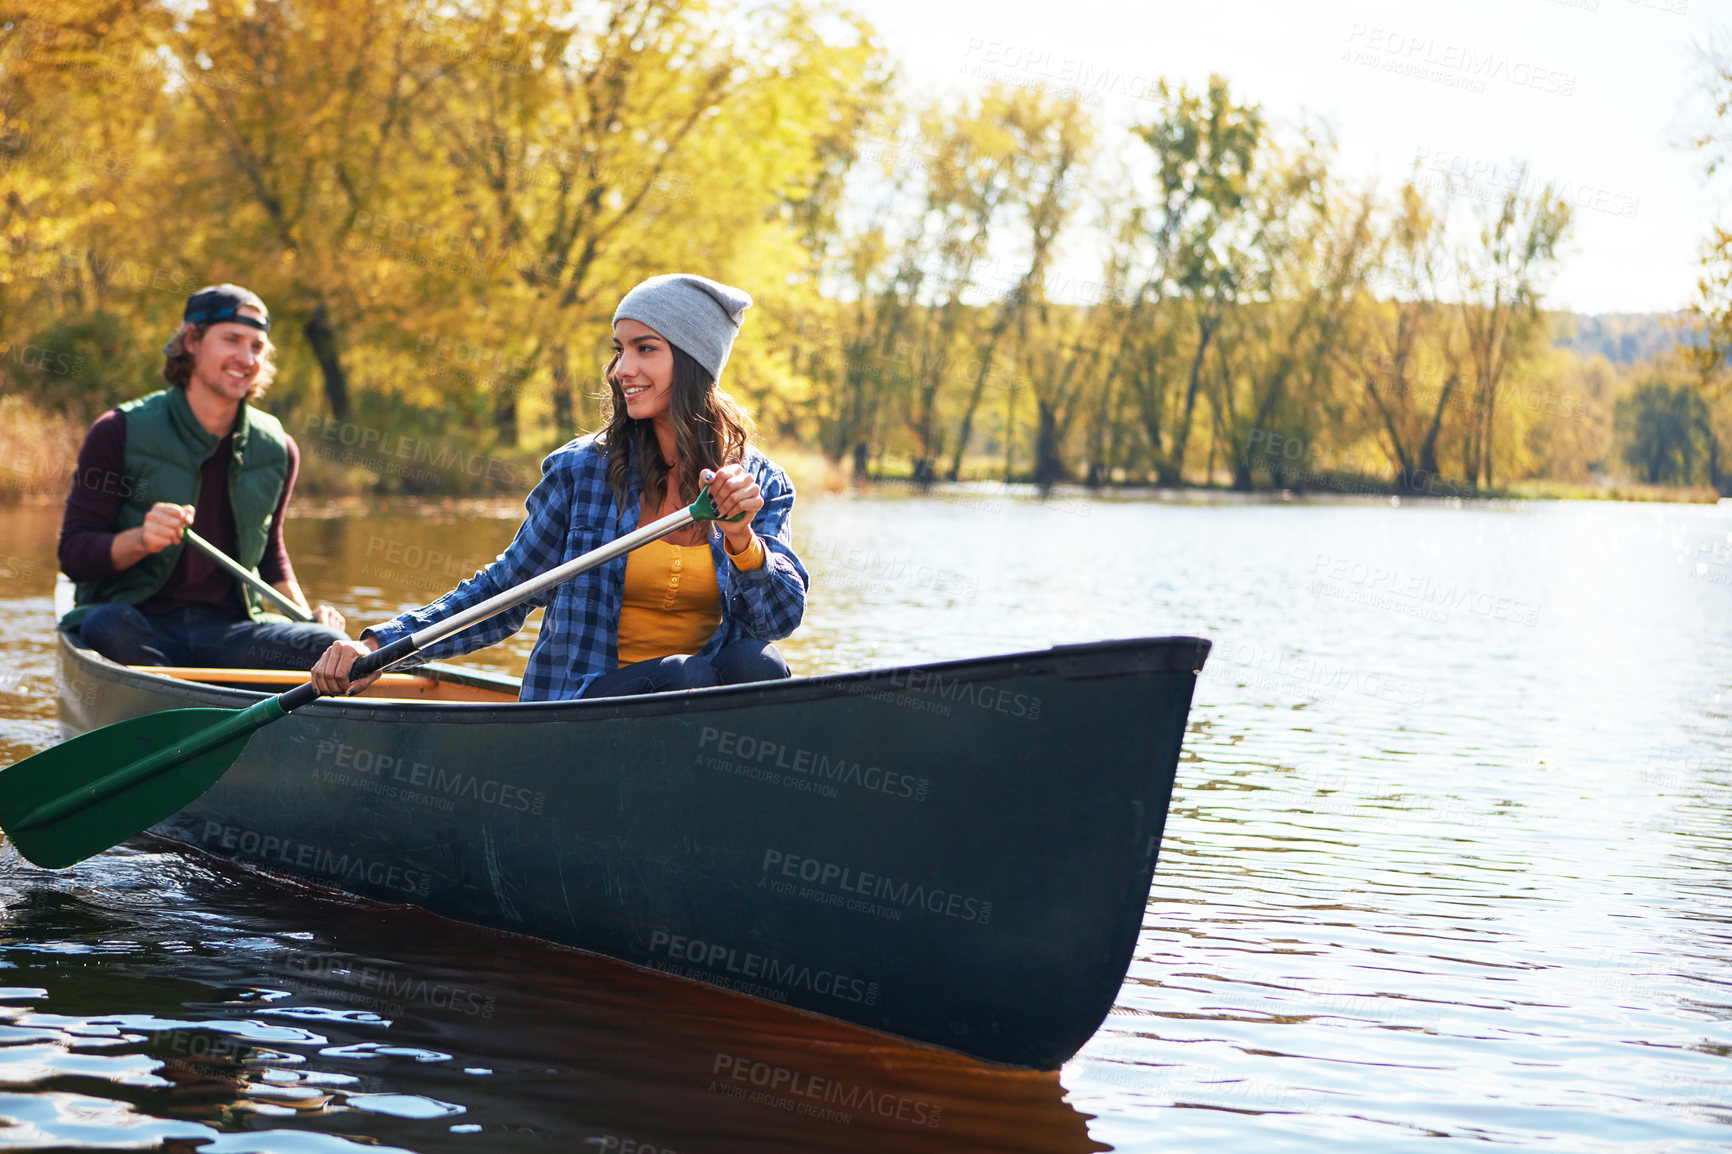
(571, 512)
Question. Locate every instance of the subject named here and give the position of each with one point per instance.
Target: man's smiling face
(227, 359)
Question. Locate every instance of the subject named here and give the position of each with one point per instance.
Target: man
(197, 455)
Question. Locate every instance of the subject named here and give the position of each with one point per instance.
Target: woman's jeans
(200, 636)
(747, 659)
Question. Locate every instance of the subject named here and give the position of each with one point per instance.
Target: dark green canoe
(958, 853)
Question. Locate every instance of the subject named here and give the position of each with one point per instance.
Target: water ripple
(1448, 864)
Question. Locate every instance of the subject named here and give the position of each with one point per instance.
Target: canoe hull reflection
(957, 853)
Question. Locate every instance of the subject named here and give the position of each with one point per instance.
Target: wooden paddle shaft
(248, 578)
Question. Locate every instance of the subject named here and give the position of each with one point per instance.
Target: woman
(696, 609)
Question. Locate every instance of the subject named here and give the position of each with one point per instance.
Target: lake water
(1449, 863)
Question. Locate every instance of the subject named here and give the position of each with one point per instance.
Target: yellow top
(672, 602)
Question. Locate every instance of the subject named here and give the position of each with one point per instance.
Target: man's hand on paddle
(734, 490)
(328, 615)
(331, 673)
(164, 525)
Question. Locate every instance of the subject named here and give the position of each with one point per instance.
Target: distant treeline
(1628, 338)
(442, 202)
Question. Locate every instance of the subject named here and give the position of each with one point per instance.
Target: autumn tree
(1500, 277)
(294, 131)
(1051, 138)
(86, 278)
(1713, 355)
(1316, 251)
(1407, 356)
(1206, 147)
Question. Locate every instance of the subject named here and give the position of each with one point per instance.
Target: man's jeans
(200, 636)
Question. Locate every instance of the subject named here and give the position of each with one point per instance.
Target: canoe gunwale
(1085, 660)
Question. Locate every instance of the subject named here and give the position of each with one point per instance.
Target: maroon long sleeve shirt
(87, 531)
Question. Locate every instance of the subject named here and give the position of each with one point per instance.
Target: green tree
(1208, 146)
(1665, 432)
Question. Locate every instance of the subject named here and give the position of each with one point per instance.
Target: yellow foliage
(443, 200)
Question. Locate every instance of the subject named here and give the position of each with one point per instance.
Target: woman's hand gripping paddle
(96, 790)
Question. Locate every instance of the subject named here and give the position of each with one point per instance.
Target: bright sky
(1598, 96)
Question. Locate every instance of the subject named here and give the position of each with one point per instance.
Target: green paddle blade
(147, 767)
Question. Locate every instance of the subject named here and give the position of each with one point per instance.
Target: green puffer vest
(165, 448)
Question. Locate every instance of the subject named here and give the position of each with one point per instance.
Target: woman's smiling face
(644, 368)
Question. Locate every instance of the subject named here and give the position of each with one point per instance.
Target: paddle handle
(248, 578)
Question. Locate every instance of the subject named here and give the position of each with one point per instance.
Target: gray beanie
(698, 315)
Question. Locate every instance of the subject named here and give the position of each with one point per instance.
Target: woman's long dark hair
(710, 430)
